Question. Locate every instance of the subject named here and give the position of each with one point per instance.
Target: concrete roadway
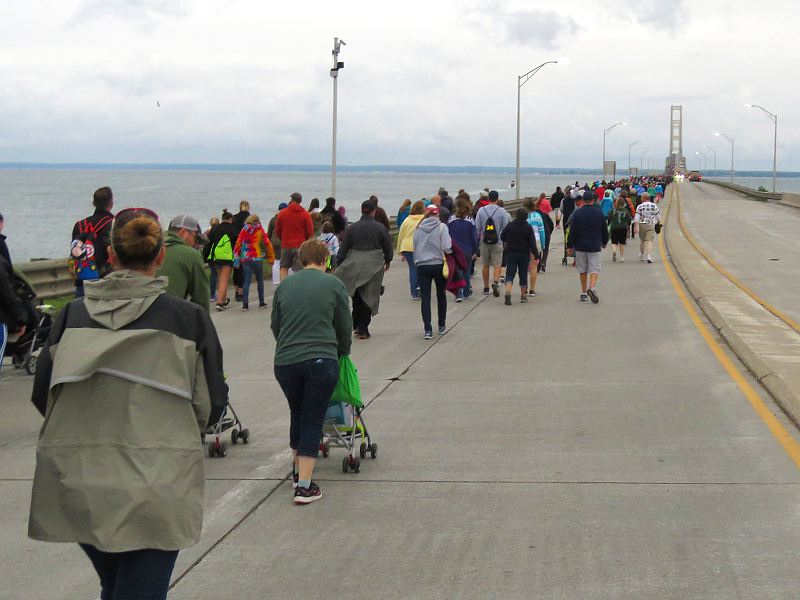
(555, 450)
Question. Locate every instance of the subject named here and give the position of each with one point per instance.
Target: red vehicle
(695, 176)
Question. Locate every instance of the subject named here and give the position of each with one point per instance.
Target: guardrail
(51, 278)
(763, 196)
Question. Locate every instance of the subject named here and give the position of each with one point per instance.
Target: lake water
(40, 206)
(782, 184)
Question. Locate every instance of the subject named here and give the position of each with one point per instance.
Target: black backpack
(490, 230)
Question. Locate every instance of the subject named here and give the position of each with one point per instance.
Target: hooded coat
(607, 203)
(126, 383)
(184, 270)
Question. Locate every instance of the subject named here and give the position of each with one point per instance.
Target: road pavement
(558, 450)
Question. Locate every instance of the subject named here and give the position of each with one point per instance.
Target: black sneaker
(245, 307)
(584, 297)
(508, 299)
(593, 296)
(307, 495)
(442, 329)
(485, 291)
(428, 335)
(238, 297)
(262, 305)
(496, 289)
(295, 480)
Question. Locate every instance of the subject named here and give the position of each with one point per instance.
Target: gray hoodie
(431, 242)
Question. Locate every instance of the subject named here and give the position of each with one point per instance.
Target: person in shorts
(588, 236)
(618, 222)
(293, 227)
(492, 253)
(647, 215)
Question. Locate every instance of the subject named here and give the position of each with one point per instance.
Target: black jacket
(588, 231)
(12, 309)
(331, 214)
(366, 234)
(240, 218)
(549, 226)
(518, 236)
(4, 249)
(216, 234)
(104, 220)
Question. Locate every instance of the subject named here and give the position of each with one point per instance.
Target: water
(782, 184)
(40, 206)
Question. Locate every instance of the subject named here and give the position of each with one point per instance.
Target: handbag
(348, 388)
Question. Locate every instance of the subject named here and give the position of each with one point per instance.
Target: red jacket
(293, 226)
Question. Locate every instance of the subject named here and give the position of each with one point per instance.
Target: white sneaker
(641, 257)
(649, 259)
(621, 259)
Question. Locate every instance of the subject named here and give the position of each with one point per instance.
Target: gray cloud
(668, 15)
(144, 14)
(541, 28)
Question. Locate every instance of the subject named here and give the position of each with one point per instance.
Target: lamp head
(748, 106)
(716, 133)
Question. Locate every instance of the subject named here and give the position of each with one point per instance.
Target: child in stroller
(23, 348)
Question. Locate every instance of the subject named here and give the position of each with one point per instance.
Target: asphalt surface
(557, 449)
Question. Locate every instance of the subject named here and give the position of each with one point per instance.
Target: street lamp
(730, 139)
(641, 158)
(522, 80)
(715, 154)
(337, 46)
(700, 158)
(605, 133)
(631, 145)
(774, 118)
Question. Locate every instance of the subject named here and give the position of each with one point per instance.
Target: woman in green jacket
(129, 377)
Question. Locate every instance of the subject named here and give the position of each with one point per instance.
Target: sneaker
(613, 257)
(533, 293)
(502, 279)
(415, 297)
(584, 297)
(238, 297)
(262, 305)
(460, 296)
(641, 257)
(621, 259)
(220, 307)
(593, 296)
(544, 268)
(307, 495)
(523, 299)
(649, 260)
(428, 335)
(508, 299)
(245, 307)
(496, 289)
(295, 480)
(442, 329)
(485, 291)
(213, 298)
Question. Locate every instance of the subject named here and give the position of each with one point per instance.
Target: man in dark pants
(364, 255)
(91, 238)
(239, 220)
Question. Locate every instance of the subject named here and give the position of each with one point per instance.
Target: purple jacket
(465, 234)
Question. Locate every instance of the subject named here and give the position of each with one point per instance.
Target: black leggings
(134, 575)
(426, 274)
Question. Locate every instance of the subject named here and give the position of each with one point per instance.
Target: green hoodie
(183, 266)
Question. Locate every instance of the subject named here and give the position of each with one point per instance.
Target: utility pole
(337, 45)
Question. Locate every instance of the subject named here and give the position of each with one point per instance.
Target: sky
(425, 82)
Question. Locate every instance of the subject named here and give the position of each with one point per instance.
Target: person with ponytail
(128, 379)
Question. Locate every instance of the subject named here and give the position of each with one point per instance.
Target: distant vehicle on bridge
(695, 176)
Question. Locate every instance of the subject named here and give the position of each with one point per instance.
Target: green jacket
(126, 382)
(183, 266)
(311, 318)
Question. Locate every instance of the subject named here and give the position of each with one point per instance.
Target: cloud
(541, 28)
(669, 15)
(145, 14)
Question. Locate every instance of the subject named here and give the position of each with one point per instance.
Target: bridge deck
(556, 449)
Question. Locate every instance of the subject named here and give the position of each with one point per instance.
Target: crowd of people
(137, 347)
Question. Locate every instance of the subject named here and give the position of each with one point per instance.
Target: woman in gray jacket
(126, 382)
(431, 243)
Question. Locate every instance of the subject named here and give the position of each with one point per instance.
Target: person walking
(331, 241)
(293, 227)
(212, 269)
(520, 242)
(311, 323)
(464, 233)
(4, 253)
(183, 264)
(276, 245)
(555, 202)
(588, 235)
(251, 251)
(490, 222)
(403, 212)
(567, 208)
(405, 244)
(618, 223)
(218, 250)
(380, 214)
(364, 255)
(607, 203)
(329, 213)
(90, 239)
(534, 219)
(549, 227)
(147, 368)
(239, 219)
(431, 243)
(444, 212)
(13, 314)
(647, 216)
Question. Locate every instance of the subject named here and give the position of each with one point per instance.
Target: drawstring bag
(348, 388)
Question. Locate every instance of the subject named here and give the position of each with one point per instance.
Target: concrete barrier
(791, 200)
(750, 192)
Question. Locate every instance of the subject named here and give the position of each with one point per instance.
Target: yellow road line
(734, 280)
(789, 443)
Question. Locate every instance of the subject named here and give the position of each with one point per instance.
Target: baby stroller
(24, 350)
(216, 447)
(344, 424)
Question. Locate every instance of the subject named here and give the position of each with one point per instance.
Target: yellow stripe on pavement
(789, 443)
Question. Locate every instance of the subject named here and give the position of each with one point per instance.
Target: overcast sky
(425, 82)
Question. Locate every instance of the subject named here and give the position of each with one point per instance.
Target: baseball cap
(282, 205)
(432, 208)
(186, 222)
(588, 196)
(484, 194)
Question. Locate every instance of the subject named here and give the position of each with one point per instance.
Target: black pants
(362, 314)
(308, 387)
(135, 575)
(425, 275)
(238, 277)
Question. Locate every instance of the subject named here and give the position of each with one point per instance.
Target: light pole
(700, 158)
(730, 139)
(522, 80)
(605, 133)
(631, 145)
(715, 155)
(337, 46)
(774, 118)
(641, 158)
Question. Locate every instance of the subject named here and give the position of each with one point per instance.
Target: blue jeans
(413, 281)
(134, 575)
(432, 274)
(212, 280)
(79, 288)
(308, 387)
(248, 270)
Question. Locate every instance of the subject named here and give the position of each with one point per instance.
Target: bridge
(643, 447)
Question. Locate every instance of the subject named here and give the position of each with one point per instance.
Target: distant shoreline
(292, 168)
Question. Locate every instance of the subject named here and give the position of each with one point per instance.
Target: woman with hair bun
(128, 379)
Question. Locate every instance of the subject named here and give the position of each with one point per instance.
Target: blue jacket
(588, 231)
(465, 234)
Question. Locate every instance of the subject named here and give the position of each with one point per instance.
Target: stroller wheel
(234, 436)
(373, 450)
(222, 451)
(244, 435)
(345, 464)
(30, 366)
(356, 466)
(17, 361)
(564, 262)
(212, 451)
(325, 452)
(362, 451)
(202, 438)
